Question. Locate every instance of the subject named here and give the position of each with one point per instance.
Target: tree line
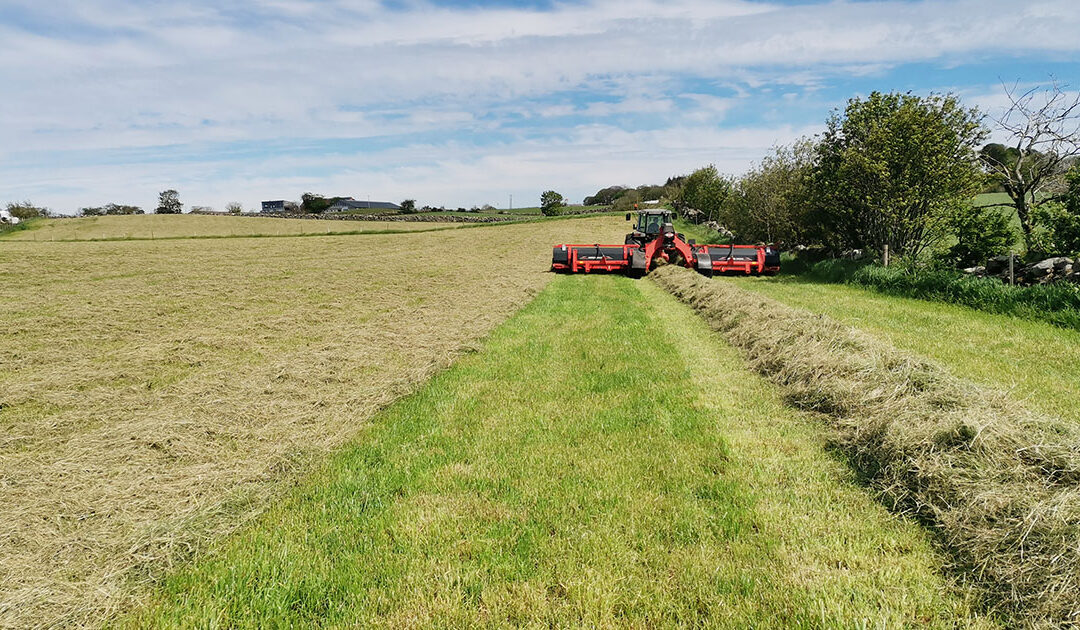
(902, 171)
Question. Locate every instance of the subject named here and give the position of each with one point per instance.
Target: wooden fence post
(886, 255)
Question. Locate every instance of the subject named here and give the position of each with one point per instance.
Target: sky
(462, 103)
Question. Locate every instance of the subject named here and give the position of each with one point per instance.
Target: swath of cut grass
(999, 483)
(156, 394)
(166, 226)
(576, 473)
(1038, 363)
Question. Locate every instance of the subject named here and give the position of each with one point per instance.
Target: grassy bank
(1057, 303)
(997, 482)
(603, 462)
(1037, 362)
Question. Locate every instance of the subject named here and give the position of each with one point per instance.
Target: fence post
(1012, 273)
(886, 255)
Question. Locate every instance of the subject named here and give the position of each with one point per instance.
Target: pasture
(154, 394)
(165, 226)
(427, 429)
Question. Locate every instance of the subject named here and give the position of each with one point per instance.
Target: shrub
(980, 233)
(551, 203)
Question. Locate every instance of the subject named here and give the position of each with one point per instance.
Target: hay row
(995, 481)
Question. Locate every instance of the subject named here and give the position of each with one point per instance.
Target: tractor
(653, 240)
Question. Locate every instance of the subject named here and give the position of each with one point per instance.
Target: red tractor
(654, 237)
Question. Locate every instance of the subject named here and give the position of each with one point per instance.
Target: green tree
(769, 202)
(705, 191)
(1060, 221)
(891, 170)
(551, 202)
(110, 209)
(234, 207)
(311, 203)
(408, 206)
(25, 210)
(169, 202)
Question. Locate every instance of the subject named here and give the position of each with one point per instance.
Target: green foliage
(628, 202)
(705, 191)
(769, 203)
(1057, 303)
(24, 210)
(980, 233)
(110, 209)
(605, 196)
(891, 169)
(310, 203)
(169, 202)
(551, 203)
(1060, 222)
(408, 206)
(234, 207)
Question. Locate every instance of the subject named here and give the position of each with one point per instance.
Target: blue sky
(466, 102)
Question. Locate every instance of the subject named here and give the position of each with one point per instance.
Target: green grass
(1037, 361)
(605, 461)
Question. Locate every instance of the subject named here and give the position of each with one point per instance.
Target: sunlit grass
(1037, 361)
(605, 461)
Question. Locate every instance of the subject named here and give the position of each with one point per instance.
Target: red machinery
(654, 237)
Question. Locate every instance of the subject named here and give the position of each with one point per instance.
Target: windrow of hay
(156, 394)
(997, 482)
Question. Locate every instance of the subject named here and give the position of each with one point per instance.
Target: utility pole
(511, 201)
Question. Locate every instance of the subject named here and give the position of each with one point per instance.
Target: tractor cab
(651, 222)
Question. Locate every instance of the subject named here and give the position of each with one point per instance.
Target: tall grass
(1057, 303)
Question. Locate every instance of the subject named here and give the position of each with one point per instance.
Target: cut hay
(154, 395)
(998, 483)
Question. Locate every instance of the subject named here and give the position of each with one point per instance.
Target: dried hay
(997, 482)
(157, 394)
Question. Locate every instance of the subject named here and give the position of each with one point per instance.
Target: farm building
(274, 206)
(5, 217)
(346, 205)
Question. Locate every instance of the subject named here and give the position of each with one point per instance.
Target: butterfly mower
(654, 239)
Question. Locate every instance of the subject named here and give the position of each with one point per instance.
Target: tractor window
(651, 223)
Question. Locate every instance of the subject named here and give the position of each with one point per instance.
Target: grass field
(193, 433)
(605, 461)
(154, 393)
(1038, 362)
(161, 226)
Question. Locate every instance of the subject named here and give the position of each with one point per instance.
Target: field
(429, 430)
(162, 226)
(153, 393)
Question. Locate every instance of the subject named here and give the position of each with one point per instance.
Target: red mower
(654, 237)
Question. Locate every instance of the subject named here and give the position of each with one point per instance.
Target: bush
(26, 210)
(551, 203)
(981, 233)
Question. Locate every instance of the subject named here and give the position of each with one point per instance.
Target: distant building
(5, 217)
(347, 205)
(273, 206)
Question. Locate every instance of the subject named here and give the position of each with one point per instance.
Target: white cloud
(108, 76)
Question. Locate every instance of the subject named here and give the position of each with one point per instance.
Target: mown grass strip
(1037, 362)
(575, 473)
(998, 483)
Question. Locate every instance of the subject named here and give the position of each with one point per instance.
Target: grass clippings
(155, 395)
(997, 482)
(601, 462)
